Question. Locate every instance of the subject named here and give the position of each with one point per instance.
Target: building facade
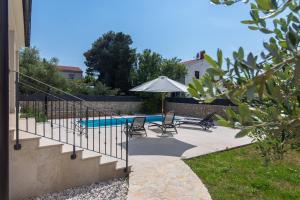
(73, 73)
(195, 68)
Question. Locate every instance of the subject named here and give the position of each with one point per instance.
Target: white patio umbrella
(163, 85)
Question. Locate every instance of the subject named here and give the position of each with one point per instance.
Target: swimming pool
(117, 121)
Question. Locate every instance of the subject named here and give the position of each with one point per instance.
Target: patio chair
(205, 123)
(137, 126)
(167, 123)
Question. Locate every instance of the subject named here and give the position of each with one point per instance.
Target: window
(197, 74)
(71, 76)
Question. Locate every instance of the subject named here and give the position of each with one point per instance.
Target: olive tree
(265, 87)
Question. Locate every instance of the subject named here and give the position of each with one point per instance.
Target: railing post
(46, 104)
(73, 156)
(93, 129)
(59, 122)
(26, 116)
(126, 169)
(105, 134)
(67, 121)
(99, 131)
(86, 127)
(80, 126)
(51, 114)
(17, 146)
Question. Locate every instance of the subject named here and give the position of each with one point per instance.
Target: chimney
(200, 55)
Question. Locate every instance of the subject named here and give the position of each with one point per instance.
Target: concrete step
(25, 139)
(86, 154)
(107, 160)
(49, 160)
(48, 143)
(67, 150)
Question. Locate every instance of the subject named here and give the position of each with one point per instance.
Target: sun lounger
(167, 123)
(137, 127)
(205, 123)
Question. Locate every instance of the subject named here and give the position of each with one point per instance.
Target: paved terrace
(158, 172)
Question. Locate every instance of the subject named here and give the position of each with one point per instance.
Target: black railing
(69, 119)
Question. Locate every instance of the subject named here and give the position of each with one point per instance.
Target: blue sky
(174, 28)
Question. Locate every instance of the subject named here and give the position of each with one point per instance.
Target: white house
(196, 68)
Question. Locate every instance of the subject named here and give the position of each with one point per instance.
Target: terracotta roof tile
(190, 62)
(68, 69)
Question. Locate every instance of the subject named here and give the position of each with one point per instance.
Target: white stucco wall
(198, 65)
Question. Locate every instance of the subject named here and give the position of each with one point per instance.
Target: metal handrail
(68, 123)
(66, 93)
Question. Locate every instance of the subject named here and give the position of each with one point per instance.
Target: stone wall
(195, 110)
(62, 109)
(59, 109)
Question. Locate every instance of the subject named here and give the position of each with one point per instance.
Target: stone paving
(159, 172)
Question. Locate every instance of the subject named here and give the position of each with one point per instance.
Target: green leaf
(242, 133)
(231, 115)
(193, 92)
(241, 53)
(265, 4)
(248, 22)
(265, 30)
(292, 39)
(244, 112)
(251, 61)
(296, 78)
(223, 122)
(197, 84)
(210, 61)
(220, 57)
(253, 27)
(250, 92)
(216, 2)
(229, 2)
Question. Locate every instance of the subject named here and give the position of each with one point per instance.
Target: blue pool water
(112, 122)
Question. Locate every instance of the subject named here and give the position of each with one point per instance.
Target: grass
(39, 116)
(239, 174)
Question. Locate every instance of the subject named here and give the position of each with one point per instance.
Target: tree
(266, 88)
(150, 65)
(89, 86)
(31, 64)
(173, 69)
(112, 57)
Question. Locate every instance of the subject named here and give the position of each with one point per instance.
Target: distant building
(70, 72)
(195, 68)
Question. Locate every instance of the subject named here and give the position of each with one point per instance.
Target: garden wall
(191, 108)
(105, 104)
(121, 105)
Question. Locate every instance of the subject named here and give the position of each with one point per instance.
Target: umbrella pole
(162, 103)
(163, 95)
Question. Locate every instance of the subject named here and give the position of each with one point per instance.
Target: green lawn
(239, 174)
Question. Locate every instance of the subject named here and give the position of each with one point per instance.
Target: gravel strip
(116, 189)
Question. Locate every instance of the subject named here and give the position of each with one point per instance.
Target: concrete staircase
(43, 165)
